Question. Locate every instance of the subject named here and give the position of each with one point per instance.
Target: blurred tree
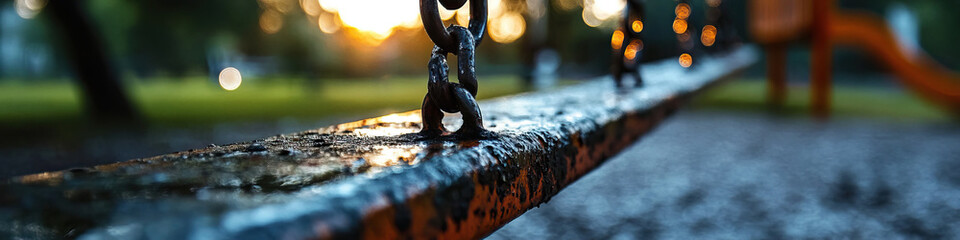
(104, 95)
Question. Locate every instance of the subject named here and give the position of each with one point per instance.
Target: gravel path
(712, 175)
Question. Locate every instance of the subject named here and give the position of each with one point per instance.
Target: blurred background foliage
(310, 60)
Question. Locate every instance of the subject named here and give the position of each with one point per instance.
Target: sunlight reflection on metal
(47, 177)
(708, 35)
(386, 130)
(407, 117)
(390, 156)
(230, 79)
(685, 60)
(389, 125)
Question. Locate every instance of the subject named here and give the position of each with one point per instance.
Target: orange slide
(915, 70)
(777, 23)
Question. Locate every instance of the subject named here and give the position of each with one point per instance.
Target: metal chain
(442, 95)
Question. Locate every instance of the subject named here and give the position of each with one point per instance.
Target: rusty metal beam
(370, 179)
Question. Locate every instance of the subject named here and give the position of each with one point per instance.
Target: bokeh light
(328, 23)
(632, 50)
(617, 40)
(708, 35)
(446, 14)
(679, 26)
(271, 21)
(595, 12)
(686, 60)
(713, 3)
(567, 5)
(682, 11)
(637, 26)
(505, 24)
(506, 28)
(230, 79)
(373, 20)
(311, 7)
(28, 9)
(463, 14)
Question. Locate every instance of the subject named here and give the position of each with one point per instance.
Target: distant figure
(627, 44)
(546, 64)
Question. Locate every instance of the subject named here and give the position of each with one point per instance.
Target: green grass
(199, 100)
(848, 101)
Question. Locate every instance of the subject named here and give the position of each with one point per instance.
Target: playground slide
(914, 69)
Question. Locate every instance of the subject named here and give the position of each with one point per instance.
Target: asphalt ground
(725, 175)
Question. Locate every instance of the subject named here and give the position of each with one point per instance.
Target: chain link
(442, 95)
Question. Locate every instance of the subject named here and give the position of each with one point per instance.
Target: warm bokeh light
(709, 35)
(463, 15)
(230, 79)
(679, 26)
(28, 9)
(282, 6)
(373, 20)
(590, 19)
(446, 14)
(686, 60)
(328, 22)
(495, 8)
(567, 5)
(682, 11)
(595, 12)
(617, 40)
(330, 5)
(637, 26)
(632, 50)
(271, 21)
(506, 28)
(713, 3)
(310, 7)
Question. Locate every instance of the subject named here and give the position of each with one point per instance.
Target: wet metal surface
(374, 178)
